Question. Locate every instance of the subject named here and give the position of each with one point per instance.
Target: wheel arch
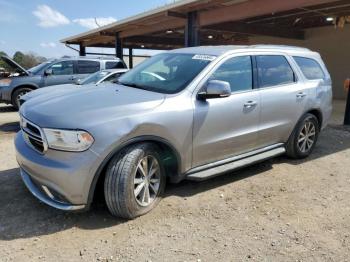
(171, 156)
(318, 114)
(31, 86)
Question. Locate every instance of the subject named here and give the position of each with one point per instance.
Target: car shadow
(23, 216)
(12, 127)
(7, 109)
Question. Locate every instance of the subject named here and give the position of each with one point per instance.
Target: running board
(215, 171)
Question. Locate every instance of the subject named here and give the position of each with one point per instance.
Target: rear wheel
(135, 181)
(16, 96)
(304, 137)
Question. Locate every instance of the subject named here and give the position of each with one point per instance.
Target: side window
(237, 71)
(114, 65)
(62, 68)
(310, 68)
(88, 67)
(274, 70)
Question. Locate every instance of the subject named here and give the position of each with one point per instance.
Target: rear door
(87, 67)
(62, 73)
(225, 127)
(284, 97)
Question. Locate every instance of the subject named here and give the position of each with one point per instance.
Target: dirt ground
(279, 210)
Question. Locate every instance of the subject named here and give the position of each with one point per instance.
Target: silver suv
(190, 113)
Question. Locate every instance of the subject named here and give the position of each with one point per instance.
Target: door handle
(301, 95)
(73, 77)
(250, 104)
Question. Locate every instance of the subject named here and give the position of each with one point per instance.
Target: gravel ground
(279, 210)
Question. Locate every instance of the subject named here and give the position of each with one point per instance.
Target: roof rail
(91, 57)
(282, 47)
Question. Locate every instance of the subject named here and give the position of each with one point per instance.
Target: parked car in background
(103, 76)
(190, 113)
(66, 70)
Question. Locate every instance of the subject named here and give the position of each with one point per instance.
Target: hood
(13, 64)
(82, 108)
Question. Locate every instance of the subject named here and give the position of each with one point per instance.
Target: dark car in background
(66, 70)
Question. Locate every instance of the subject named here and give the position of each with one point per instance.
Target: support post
(131, 58)
(347, 108)
(118, 46)
(82, 50)
(192, 36)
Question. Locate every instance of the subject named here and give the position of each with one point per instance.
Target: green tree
(18, 57)
(2, 63)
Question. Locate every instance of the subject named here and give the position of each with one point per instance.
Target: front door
(62, 73)
(225, 127)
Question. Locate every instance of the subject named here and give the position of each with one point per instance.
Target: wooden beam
(176, 14)
(254, 29)
(253, 8)
(154, 40)
(171, 24)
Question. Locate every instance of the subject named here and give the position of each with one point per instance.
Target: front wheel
(135, 181)
(16, 96)
(304, 137)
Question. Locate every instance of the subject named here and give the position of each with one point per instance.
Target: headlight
(5, 82)
(68, 140)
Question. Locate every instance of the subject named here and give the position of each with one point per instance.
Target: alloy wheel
(146, 180)
(307, 136)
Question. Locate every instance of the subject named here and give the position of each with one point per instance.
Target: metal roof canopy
(212, 22)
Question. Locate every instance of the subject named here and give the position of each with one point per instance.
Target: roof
(219, 50)
(219, 22)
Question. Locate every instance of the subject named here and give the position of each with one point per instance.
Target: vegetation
(25, 60)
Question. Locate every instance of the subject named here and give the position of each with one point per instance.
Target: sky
(38, 25)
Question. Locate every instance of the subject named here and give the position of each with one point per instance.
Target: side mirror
(48, 72)
(215, 89)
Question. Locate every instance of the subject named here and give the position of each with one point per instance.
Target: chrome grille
(33, 135)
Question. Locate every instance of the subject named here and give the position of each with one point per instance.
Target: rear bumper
(44, 194)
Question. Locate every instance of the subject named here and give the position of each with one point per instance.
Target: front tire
(304, 137)
(16, 96)
(135, 181)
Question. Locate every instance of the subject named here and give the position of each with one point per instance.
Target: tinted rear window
(274, 70)
(310, 68)
(114, 65)
(88, 67)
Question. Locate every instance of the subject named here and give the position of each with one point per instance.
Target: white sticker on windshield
(204, 57)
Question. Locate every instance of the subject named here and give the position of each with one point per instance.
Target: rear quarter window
(310, 68)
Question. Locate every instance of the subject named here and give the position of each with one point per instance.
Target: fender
(146, 138)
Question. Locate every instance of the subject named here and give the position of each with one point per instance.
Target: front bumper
(59, 179)
(45, 195)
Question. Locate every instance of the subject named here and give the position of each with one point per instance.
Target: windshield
(166, 73)
(94, 78)
(36, 69)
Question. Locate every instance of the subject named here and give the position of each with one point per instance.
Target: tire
(17, 94)
(123, 189)
(299, 145)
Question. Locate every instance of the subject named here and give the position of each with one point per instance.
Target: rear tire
(135, 181)
(304, 137)
(17, 95)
